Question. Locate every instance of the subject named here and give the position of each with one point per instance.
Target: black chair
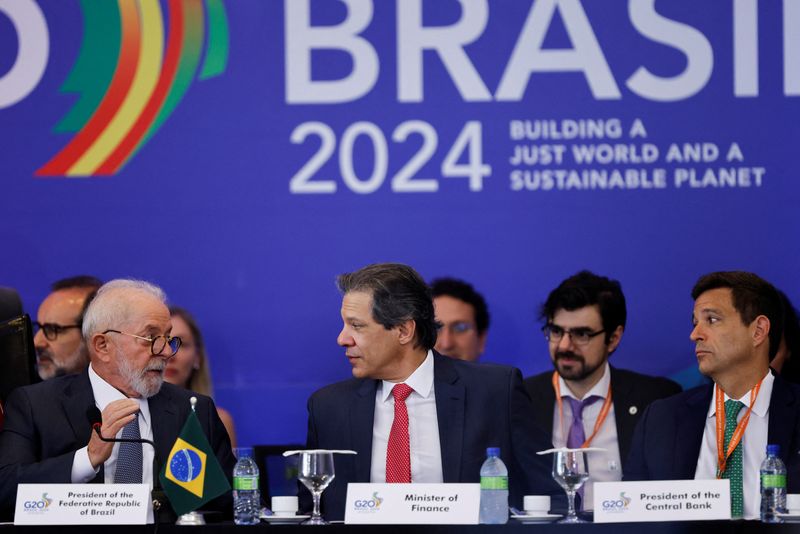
(278, 474)
(10, 304)
(17, 355)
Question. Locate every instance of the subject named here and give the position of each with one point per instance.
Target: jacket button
(633, 410)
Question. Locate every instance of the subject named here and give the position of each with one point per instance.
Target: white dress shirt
(423, 427)
(754, 443)
(603, 466)
(104, 394)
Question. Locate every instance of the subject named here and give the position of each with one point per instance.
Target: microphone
(96, 420)
(159, 497)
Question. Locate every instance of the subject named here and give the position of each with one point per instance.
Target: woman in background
(189, 367)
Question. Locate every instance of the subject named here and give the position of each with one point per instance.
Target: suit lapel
(76, 399)
(165, 422)
(450, 399)
(625, 421)
(545, 405)
(362, 417)
(690, 427)
(782, 415)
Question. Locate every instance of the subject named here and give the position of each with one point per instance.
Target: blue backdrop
(450, 135)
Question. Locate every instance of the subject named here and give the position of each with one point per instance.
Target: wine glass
(316, 472)
(569, 470)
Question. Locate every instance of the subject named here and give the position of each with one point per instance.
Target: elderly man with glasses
(48, 434)
(60, 349)
(586, 402)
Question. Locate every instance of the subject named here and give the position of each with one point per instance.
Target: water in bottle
(494, 489)
(773, 486)
(246, 495)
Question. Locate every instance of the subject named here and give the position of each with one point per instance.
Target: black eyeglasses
(52, 330)
(157, 344)
(579, 336)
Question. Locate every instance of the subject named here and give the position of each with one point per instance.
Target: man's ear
(615, 338)
(760, 330)
(101, 347)
(406, 332)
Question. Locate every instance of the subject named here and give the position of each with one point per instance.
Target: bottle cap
(773, 449)
(493, 451)
(243, 452)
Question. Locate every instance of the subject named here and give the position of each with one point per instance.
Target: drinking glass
(316, 472)
(569, 470)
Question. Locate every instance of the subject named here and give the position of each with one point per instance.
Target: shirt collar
(598, 390)
(762, 401)
(105, 394)
(421, 380)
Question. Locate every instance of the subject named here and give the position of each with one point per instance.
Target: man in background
(586, 402)
(463, 317)
(60, 349)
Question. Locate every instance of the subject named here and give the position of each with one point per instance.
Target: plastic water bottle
(246, 495)
(494, 489)
(773, 486)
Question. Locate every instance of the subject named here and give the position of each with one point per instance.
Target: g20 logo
(38, 506)
(136, 63)
(617, 505)
(368, 504)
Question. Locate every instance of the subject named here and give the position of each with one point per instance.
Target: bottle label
(245, 483)
(494, 483)
(773, 481)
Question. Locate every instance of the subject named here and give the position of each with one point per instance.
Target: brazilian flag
(192, 475)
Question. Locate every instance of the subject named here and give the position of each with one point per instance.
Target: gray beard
(138, 380)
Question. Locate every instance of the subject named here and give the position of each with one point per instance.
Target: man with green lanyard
(722, 430)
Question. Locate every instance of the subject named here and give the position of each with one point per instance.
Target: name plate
(665, 500)
(82, 504)
(412, 504)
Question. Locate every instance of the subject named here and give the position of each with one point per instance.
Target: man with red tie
(411, 414)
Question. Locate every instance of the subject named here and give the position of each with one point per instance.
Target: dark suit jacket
(667, 441)
(477, 406)
(46, 424)
(631, 394)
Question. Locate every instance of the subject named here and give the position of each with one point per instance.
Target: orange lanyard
(600, 418)
(722, 455)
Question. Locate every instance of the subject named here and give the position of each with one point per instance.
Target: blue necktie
(129, 458)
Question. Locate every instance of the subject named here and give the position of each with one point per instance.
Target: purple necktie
(576, 435)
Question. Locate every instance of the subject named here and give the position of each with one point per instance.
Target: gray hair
(106, 312)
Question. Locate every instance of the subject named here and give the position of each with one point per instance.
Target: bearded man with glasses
(60, 349)
(586, 402)
(48, 435)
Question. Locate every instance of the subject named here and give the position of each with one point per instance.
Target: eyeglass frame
(152, 340)
(56, 328)
(547, 330)
(457, 327)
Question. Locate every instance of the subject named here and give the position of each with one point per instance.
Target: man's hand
(116, 415)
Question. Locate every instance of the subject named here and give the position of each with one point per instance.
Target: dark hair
(463, 291)
(398, 294)
(588, 289)
(81, 281)
(752, 296)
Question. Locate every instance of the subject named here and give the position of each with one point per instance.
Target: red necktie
(398, 452)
